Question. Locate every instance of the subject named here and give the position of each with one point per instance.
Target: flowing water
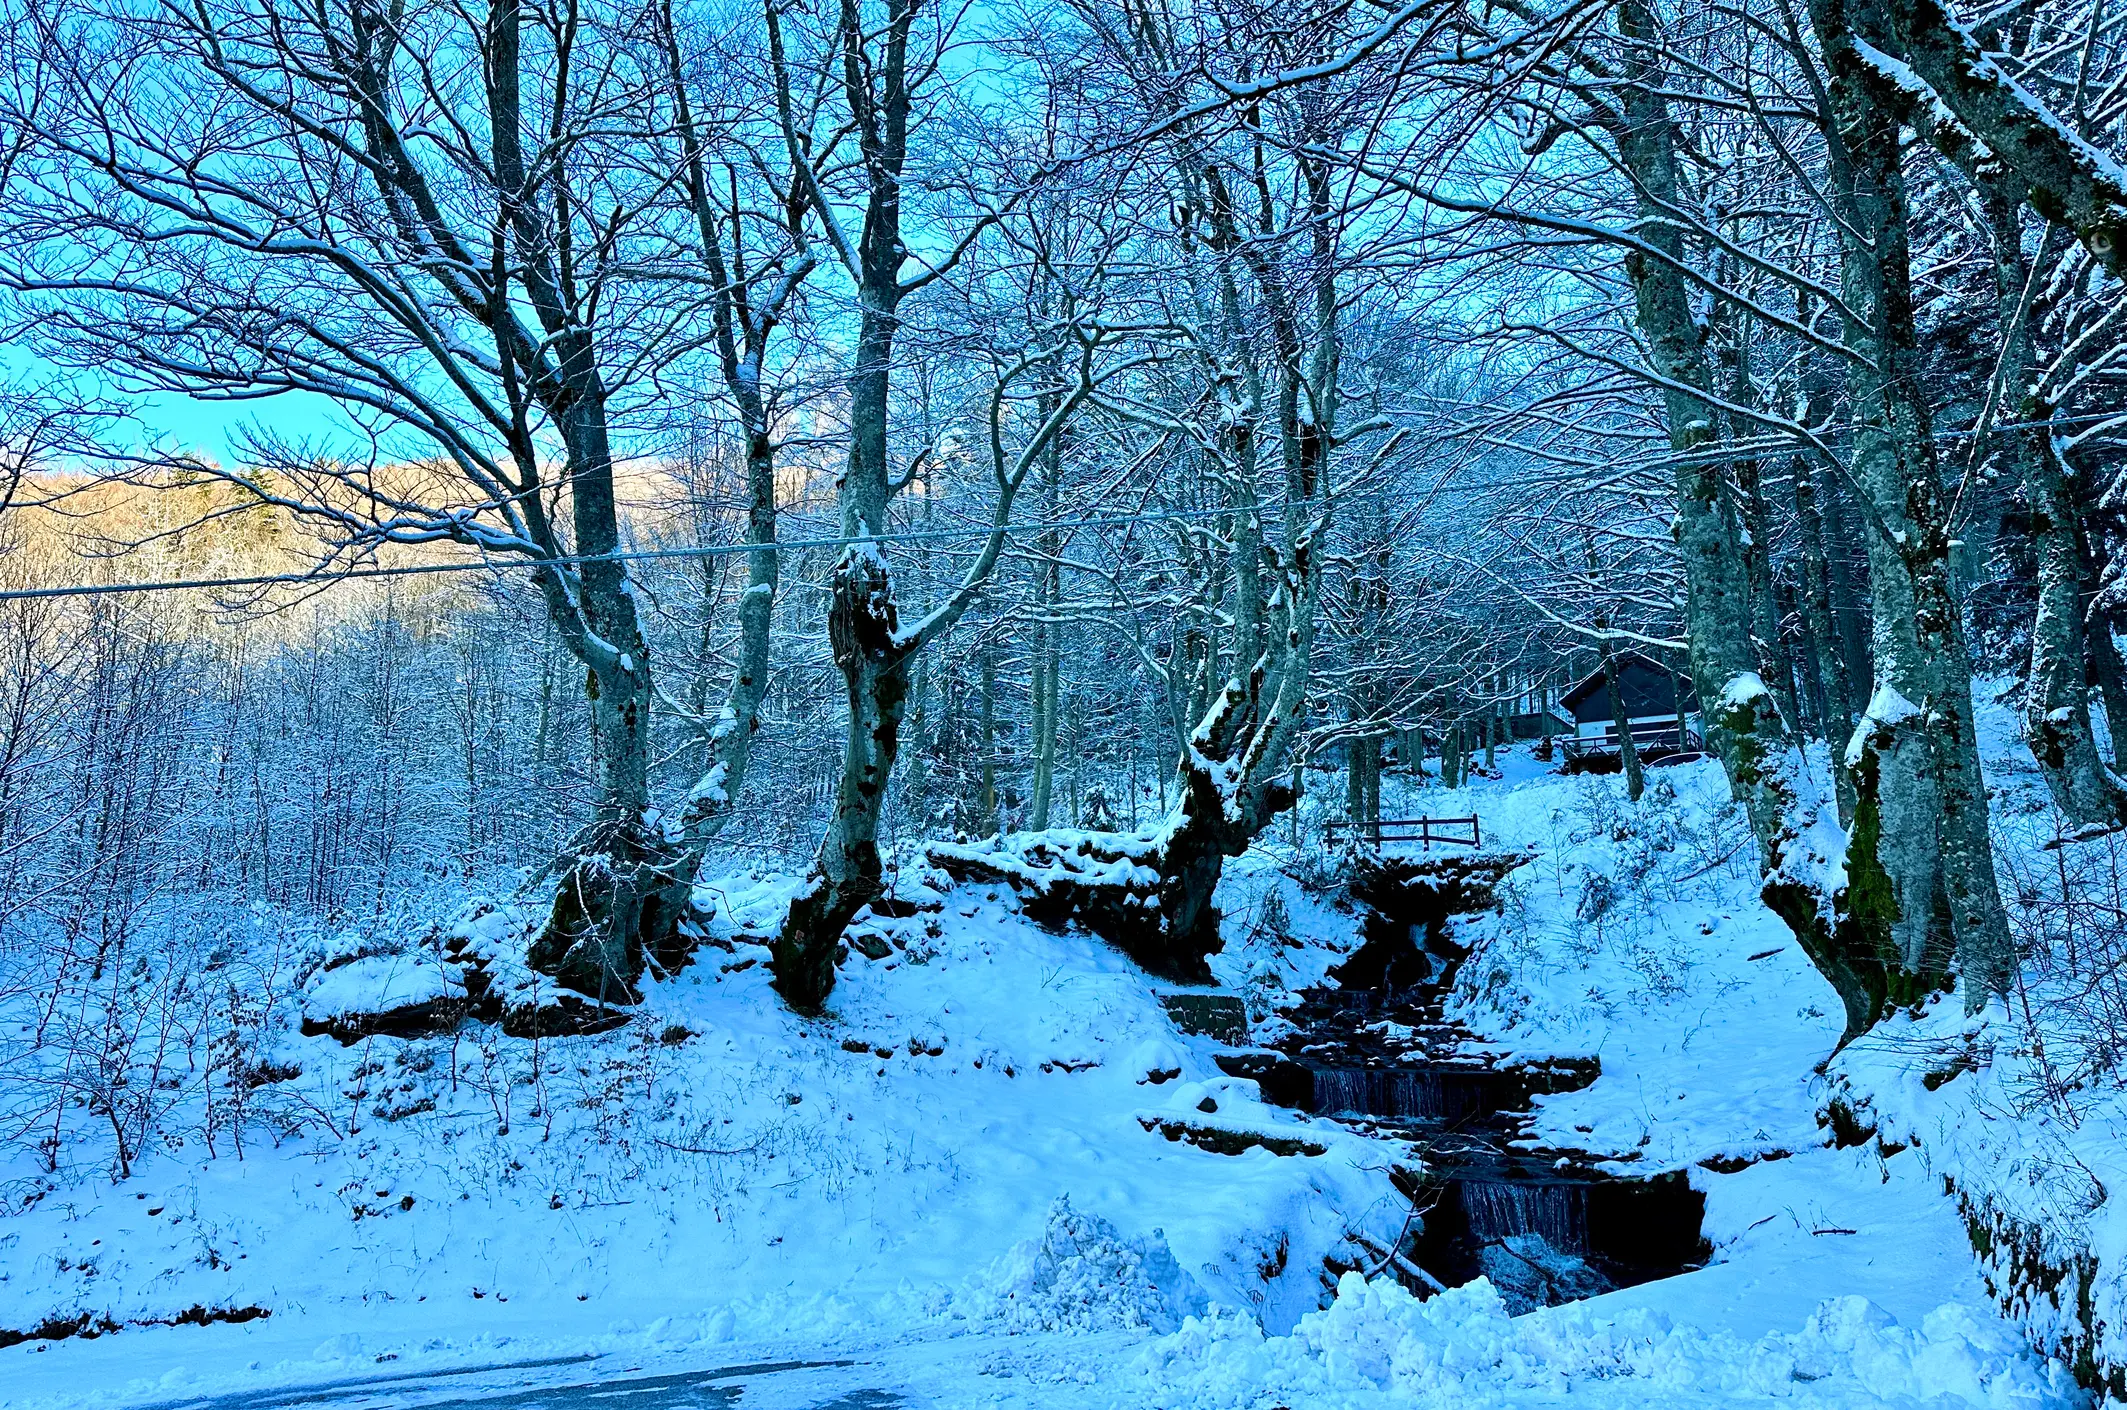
(1502, 1209)
(1427, 1094)
(1543, 1225)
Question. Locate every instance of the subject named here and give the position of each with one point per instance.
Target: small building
(1659, 709)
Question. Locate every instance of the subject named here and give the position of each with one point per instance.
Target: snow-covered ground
(1840, 1276)
(718, 1171)
(948, 1178)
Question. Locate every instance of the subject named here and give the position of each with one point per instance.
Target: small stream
(1376, 1052)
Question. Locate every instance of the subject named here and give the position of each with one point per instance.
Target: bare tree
(248, 200)
(752, 294)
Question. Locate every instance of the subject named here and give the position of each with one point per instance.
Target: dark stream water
(1376, 1051)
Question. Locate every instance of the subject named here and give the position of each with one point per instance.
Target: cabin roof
(1643, 677)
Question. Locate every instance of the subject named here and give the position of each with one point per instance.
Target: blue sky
(210, 427)
(183, 423)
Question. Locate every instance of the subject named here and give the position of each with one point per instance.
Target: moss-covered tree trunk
(862, 629)
(1744, 725)
(1918, 730)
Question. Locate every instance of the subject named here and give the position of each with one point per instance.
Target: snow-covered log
(1115, 884)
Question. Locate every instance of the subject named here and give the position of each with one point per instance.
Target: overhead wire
(328, 578)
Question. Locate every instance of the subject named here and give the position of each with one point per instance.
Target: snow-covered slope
(971, 1145)
(1841, 1274)
(720, 1168)
(2021, 1112)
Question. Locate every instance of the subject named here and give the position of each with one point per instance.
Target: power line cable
(412, 570)
(328, 579)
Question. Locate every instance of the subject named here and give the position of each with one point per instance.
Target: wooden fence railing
(1648, 739)
(1462, 832)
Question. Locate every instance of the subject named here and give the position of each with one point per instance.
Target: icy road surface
(578, 1383)
(1073, 1372)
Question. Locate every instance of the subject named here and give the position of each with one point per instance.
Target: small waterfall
(1542, 1226)
(1497, 1210)
(1431, 1094)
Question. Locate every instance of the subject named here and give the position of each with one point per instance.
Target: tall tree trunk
(704, 664)
(1743, 723)
(624, 890)
(873, 652)
(546, 698)
(1801, 648)
(1362, 767)
(922, 729)
(712, 801)
(1853, 616)
(1078, 762)
(863, 626)
(1774, 665)
(1821, 627)
(1236, 764)
(2105, 664)
(745, 314)
(1236, 784)
(1628, 750)
(2056, 692)
(863, 623)
(2100, 649)
(1354, 783)
(470, 742)
(987, 806)
(1373, 786)
(1047, 647)
(1042, 722)
(1917, 751)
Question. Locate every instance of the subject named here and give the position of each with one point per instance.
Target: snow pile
(377, 984)
(491, 938)
(1040, 860)
(1379, 1346)
(1082, 1275)
(1157, 1060)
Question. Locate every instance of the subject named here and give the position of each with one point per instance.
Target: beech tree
(472, 260)
(885, 74)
